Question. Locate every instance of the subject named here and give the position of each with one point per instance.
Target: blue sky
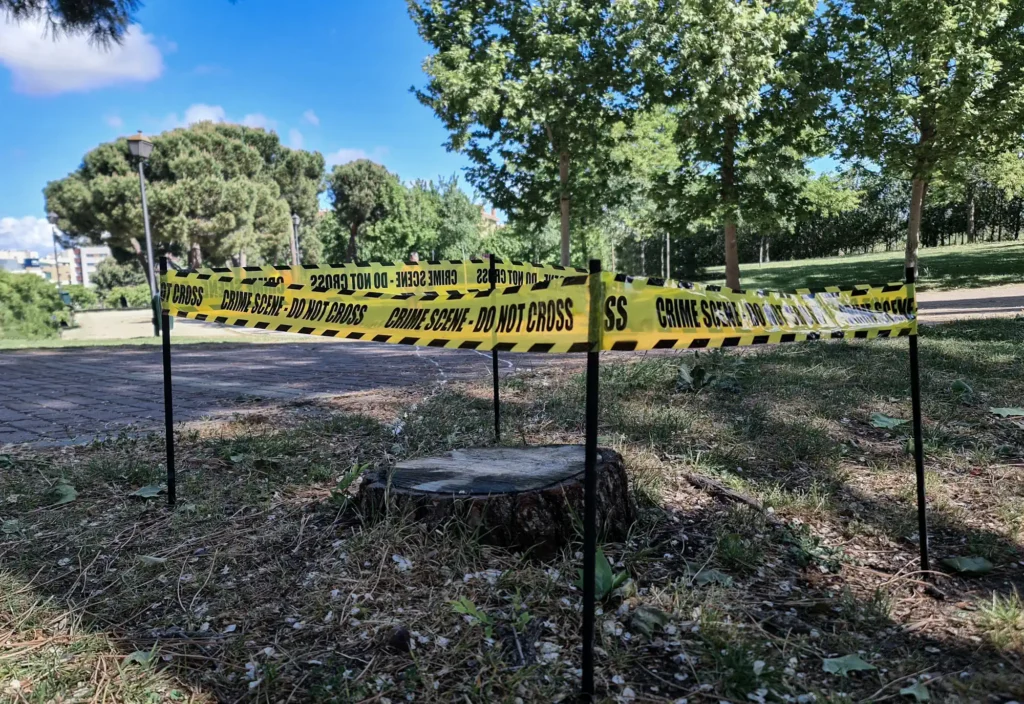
(325, 75)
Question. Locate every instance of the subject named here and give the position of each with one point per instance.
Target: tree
(363, 193)
(105, 21)
(927, 83)
(525, 91)
(743, 77)
(459, 222)
(219, 191)
(110, 274)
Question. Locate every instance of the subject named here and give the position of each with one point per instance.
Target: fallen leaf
(10, 526)
(706, 576)
(65, 494)
(148, 492)
(1007, 412)
(968, 565)
(845, 665)
(236, 459)
(143, 657)
(150, 561)
(918, 691)
(961, 387)
(880, 420)
(648, 620)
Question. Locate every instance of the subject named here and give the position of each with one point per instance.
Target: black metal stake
(915, 392)
(494, 367)
(590, 482)
(165, 328)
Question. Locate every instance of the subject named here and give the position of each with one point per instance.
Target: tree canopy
(216, 191)
(525, 91)
(104, 21)
(928, 84)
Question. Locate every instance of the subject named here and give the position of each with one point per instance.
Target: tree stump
(523, 498)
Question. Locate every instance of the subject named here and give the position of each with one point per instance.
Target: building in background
(65, 265)
(490, 220)
(86, 261)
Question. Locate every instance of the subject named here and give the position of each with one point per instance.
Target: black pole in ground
(915, 393)
(590, 482)
(165, 328)
(494, 367)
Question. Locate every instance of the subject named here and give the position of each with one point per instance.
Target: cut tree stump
(524, 498)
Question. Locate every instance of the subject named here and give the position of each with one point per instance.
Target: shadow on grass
(265, 554)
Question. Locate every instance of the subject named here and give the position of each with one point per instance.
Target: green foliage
(926, 86)
(105, 21)
(137, 296)
(364, 193)
(215, 191)
(525, 91)
(82, 297)
(111, 274)
(436, 221)
(466, 607)
(605, 580)
(30, 307)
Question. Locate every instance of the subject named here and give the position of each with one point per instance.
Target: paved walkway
(75, 395)
(991, 302)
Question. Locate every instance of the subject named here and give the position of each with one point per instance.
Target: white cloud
(259, 120)
(200, 112)
(345, 155)
(114, 121)
(311, 117)
(42, 66)
(295, 139)
(26, 233)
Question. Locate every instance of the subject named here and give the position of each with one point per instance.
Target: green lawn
(969, 266)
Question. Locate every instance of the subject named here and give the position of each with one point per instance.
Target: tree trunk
(195, 256)
(767, 250)
(914, 229)
(243, 259)
(728, 196)
(970, 213)
(563, 181)
(643, 258)
(352, 232)
(1016, 223)
(524, 498)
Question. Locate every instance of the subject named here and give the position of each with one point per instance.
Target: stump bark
(524, 498)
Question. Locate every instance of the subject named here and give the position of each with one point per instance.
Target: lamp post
(141, 148)
(52, 219)
(296, 221)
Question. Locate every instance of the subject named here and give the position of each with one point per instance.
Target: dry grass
(265, 585)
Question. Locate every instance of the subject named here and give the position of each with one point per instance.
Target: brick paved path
(63, 395)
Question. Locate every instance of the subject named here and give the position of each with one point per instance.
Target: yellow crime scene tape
(642, 314)
(402, 277)
(634, 313)
(548, 316)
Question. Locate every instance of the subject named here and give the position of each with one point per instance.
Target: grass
(941, 268)
(266, 584)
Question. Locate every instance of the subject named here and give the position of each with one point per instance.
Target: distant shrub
(30, 307)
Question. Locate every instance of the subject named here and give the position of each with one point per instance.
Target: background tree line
(662, 135)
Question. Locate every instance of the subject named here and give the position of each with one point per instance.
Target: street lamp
(296, 221)
(52, 219)
(141, 149)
